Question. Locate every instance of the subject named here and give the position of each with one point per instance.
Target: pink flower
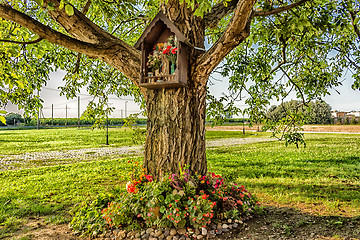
(149, 178)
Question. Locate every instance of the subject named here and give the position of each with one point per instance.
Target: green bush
(177, 200)
(88, 219)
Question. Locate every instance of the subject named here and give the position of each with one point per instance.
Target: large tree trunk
(176, 131)
(176, 117)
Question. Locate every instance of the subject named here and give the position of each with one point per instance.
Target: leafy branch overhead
(270, 47)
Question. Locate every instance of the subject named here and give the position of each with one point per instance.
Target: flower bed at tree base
(178, 206)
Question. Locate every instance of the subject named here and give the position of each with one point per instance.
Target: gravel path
(36, 159)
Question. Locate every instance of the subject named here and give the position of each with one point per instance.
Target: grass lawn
(22, 141)
(323, 178)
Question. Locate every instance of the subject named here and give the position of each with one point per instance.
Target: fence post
(66, 115)
(78, 111)
(107, 130)
(52, 115)
(38, 120)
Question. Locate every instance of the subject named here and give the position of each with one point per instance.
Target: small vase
(150, 74)
(172, 68)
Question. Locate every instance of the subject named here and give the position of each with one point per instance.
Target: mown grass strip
(27, 141)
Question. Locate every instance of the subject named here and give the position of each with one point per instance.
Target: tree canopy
(316, 113)
(303, 45)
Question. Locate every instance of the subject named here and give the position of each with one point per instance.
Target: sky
(347, 100)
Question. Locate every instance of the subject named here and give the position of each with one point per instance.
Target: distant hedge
(74, 122)
(234, 121)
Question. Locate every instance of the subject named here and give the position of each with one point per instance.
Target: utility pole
(52, 115)
(126, 108)
(107, 130)
(66, 115)
(38, 115)
(243, 124)
(78, 111)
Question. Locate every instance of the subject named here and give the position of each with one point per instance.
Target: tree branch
(86, 7)
(45, 32)
(237, 31)
(22, 42)
(217, 12)
(296, 86)
(279, 9)
(113, 51)
(353, 17)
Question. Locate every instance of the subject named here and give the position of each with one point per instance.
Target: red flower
(131, 188)
(204, 196)
(167, 50)
(173, 51)
(149, 178)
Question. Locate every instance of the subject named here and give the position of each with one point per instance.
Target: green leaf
(62, 4)
(2, 119)
(356, 20)
(162, 209)
(3, 112)
(69, 10)
(40, 2)
(20, 84)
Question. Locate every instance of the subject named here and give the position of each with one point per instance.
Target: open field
(319, 183)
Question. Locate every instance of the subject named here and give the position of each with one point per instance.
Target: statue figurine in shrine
(165, 65)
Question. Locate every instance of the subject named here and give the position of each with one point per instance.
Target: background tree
(317, 112)
(308, 42)
(13, 118)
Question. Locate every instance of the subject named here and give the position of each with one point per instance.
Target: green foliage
(314, 112)
(178, 200)
(87, 216)
(304, 51)
(138, 134)
(2, 118)
(12, 118)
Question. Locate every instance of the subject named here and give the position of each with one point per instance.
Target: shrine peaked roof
(151, 30)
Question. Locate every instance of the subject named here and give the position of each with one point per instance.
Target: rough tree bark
(176, 117)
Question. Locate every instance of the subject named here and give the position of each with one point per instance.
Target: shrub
(87, 217)
(177, 200)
